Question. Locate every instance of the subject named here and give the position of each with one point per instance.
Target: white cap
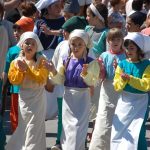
(143, 41)
(41, 4)
(32, 35)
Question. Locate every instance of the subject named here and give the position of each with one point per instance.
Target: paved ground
(51, 127)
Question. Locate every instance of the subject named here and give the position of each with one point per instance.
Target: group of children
(116, 78)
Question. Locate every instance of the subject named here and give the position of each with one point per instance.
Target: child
(108, 97)
(77, 72)
(132, 79)
(28, 71)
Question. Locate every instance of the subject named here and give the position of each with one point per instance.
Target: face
(54, 9)
(131, 27)
(115, 44)
(67, 15)
(78, 47)
(90, 18)
(131, 51)
(65, 35)
(17, 33)
(29, 47)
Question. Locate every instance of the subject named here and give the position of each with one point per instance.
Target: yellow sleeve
(15, 76)
(118, 82)
(59, 78)
(141, 84)
(92, 76)
(39, 74)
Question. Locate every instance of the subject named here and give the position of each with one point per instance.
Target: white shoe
(56, 147)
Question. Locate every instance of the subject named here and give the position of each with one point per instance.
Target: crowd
(81, 60)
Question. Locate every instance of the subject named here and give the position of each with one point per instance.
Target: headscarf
(83, 35)
(26, 24)
(41, 4)
(75, 22)
(143, 41)
(32, 35)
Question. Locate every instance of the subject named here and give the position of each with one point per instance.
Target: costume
(107, 104)
(32, 107)
(132, 104)
(76, 100)
(12, 53)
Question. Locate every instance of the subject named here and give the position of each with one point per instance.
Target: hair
(114, 33)
(139, 51)
(102, 9)
(138, 18)
(1, 10)
(28, 9)
(137, 5)
(114, 2)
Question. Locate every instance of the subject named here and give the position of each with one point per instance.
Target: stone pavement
(51, 128)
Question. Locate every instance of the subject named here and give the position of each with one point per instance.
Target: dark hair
(139, 51)
(102, 9)
(114, 33)
(114, 2)
(28, 9)
(137, 5)
(1, 10)
(138, 18)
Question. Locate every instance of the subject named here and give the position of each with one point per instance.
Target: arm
(15, 76)
(12, 4)
(119, 83)
(40, 74)
(141, 84)
(91, 77)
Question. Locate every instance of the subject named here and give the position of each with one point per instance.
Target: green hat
(75, 22)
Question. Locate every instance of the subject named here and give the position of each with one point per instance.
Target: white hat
(41, 4)
(143, 41)
(32, 35)
(83, 35)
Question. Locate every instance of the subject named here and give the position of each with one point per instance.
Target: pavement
(51, 130)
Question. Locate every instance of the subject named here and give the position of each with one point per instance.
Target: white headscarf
(143, 41)
(28, 35)
(83, 35)
(41, 4)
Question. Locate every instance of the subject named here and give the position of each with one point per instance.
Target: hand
(22, 65)
(115, 64)
(84, 69)
(49, 66)
(45, 29)
(125, 77)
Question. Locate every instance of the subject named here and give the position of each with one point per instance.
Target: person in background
(132, 81)
(77, 72)
(83, 6)
(133, 23)
(3, 51)
(71, 8)
(108, 97)
(8, 26)
(28, 71)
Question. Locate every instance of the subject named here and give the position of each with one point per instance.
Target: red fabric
(14, 111)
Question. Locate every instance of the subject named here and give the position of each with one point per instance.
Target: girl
(132, 79)
(97, 19)
(108, 97)
(77, 72)
(28, 71)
